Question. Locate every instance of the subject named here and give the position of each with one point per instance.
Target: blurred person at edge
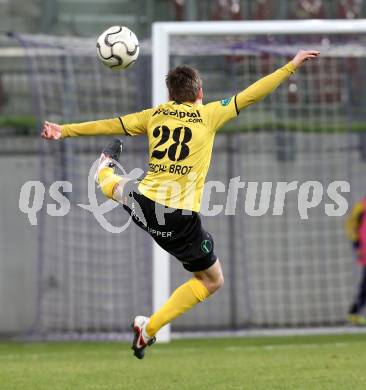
(356, 232)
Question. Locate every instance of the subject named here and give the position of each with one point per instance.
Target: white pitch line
(249, 333)
(250, 348)
(285, 346)
(167, 350)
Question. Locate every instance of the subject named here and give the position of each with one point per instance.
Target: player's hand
(51, 131)
(304, 55)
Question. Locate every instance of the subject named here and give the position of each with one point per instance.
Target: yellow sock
(182, 299)
(107, 180)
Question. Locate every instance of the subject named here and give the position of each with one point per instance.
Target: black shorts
(177, 231)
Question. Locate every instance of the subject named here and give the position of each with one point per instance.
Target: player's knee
(219, 282)
(215, 284)
(212, 278)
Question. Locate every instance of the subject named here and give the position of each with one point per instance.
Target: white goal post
(161, 33)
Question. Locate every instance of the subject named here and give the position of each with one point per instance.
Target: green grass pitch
(268, 363)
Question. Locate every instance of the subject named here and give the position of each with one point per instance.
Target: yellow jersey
(181, 137)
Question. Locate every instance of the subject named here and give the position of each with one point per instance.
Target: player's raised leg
(105, 176)
(201, 286)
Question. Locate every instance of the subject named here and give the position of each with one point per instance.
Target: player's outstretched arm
(266, 85)
(54, 131)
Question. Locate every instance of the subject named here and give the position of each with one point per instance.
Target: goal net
(91, 281)
(281, 270)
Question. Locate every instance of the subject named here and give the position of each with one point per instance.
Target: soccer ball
(118, 47)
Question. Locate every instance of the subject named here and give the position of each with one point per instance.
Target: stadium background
(280, 272)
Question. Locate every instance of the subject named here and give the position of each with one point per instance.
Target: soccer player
(356, 232)
(166, 202)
